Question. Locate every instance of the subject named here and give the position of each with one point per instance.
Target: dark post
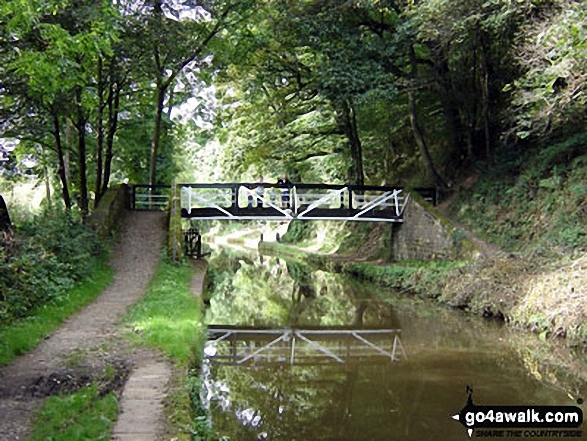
(198, 245)
(235, 199)
(5, 223)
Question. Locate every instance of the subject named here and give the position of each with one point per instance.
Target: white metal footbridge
(263, 201)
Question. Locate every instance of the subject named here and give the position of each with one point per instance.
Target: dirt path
(134, 259)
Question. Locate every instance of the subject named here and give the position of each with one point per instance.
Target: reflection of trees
(247, 291)
(446, 352)
(302, 278)
(303, 403)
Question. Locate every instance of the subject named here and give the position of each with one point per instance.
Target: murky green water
(411, 399)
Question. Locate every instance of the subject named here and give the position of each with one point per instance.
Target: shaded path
(134, 260)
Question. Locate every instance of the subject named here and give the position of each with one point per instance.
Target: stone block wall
(110, 209)
(427, 235)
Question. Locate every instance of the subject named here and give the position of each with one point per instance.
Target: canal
(367, 398)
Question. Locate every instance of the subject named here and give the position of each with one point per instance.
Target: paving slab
(142, 403)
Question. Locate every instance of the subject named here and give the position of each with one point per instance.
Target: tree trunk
(421, 142)
(160, 98)
(347, 122)
(484, 78)
(449, 107)
(61, 169)
(113, 109)
(47, 177)
(81, 146)
(417, 129)
(83, 180)
(99, 134)
(69, 144)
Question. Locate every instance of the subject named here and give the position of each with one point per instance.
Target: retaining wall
(426, 234)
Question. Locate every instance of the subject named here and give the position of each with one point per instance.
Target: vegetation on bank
(23, 335)
(533, 203)
(50, 266)
(169, 317)
(42, 260)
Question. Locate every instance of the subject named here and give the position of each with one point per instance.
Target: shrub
(42, 259)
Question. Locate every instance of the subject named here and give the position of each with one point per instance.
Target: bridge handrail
(428, 193)
(303, 200)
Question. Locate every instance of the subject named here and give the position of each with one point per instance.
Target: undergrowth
(535, 203)
(23, 335)
(41, 260)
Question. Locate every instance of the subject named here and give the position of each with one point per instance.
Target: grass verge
(84, 414)
(22, 336)
(169, 318)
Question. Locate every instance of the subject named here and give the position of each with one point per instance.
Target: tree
(174, 35)
(57, 47)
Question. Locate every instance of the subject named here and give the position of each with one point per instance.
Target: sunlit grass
(83, 415)
(22, 336)
(169, 317)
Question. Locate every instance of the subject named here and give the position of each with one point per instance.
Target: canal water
(413, 398)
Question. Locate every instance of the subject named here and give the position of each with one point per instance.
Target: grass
(83, 415)
(169, 317)
(22, 336)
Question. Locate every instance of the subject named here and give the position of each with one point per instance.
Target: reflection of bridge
(255, 201)
(249, 345)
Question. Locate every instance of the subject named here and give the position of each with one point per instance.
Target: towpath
(134, 260)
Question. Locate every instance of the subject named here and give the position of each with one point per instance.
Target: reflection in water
(408, 400)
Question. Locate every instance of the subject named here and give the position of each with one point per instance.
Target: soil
(87, 347)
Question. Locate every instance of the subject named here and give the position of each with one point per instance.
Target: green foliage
(85, 414)
(297, 232)
(540, 207)
(23, 335)
(169, 316)
(44, 259)
(550, 95)
(200, 427)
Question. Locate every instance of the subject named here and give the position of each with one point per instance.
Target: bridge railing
(280, 202)
(242, 346)
(149, 197)
(301, 201)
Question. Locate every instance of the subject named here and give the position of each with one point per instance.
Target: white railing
(297, 346)
(307, 202)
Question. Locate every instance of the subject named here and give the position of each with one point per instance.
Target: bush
(43, 258)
